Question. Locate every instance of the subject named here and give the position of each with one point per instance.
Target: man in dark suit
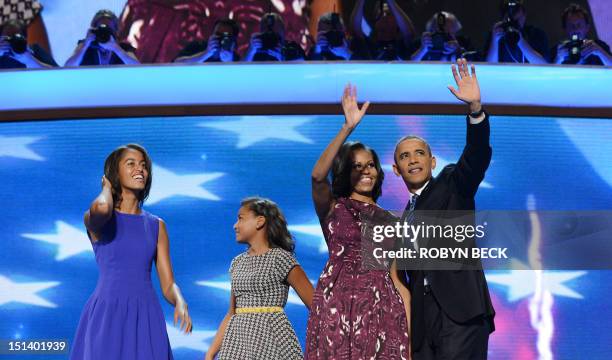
(451, 310)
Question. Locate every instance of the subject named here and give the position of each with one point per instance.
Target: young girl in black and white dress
(255, 326)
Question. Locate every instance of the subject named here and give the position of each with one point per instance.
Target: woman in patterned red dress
(356, 313)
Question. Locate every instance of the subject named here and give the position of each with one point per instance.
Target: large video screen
(204, 166)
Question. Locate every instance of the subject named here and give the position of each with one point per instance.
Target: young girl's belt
(261, 309)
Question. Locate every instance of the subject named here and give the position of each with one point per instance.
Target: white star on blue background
(167, 184)
(588, 141)
(254, 129)
(314, 232)
(521, 283)
(18, 147)
(25, 292)
(196, 340)
(69, 240)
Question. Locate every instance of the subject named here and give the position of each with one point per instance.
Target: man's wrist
(475, 107)
(476, 118)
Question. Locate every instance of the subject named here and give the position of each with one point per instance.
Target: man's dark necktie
(410, 209)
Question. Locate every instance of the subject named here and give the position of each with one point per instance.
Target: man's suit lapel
(425, 194)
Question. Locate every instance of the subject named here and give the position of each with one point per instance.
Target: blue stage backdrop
(204, 166)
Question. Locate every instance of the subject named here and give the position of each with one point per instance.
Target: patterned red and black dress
(356, 313)
(159, 29)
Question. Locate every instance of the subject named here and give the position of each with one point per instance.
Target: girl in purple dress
(123, 318)
(356, 313)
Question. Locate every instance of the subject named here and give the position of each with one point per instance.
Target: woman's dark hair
(503, 7)
(16, 23)
(276, 224)
(343, 166)
(573, 9)
(111, 171)
(104, 14)
(231, 23)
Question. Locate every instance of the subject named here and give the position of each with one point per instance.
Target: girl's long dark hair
(276, 224)
(343, 166)
(111, 171)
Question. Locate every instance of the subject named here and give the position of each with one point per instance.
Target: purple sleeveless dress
(123, 319)
(356, 313)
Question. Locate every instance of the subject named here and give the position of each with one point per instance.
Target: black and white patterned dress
(261, 281)
(25, 10)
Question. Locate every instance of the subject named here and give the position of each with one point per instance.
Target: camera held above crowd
(378, 30)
